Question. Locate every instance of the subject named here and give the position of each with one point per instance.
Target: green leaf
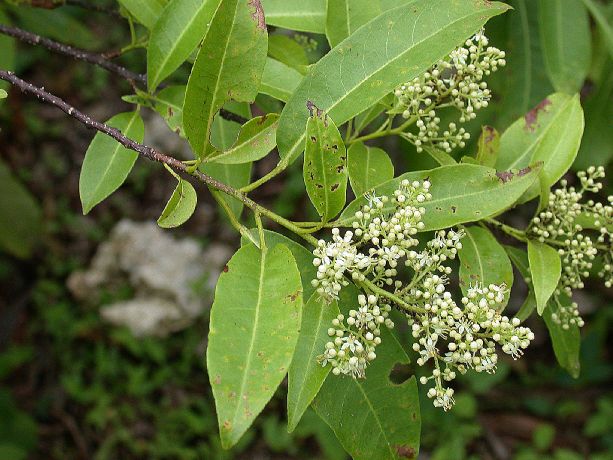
(325, 165)
(545, 270)
(180, 206)
(304, 16)
(599, 15)
(442, 158)
(147, 12)
(369, 64)
(566, 342)
(374, 418)
(279, 80)
(169, 104)
(255, 320)
(107, 163)
(3, 94)
(519, 258)
(488, 146)
(551, 132)
(566, 41)
(460, 193)
(224, 134)
(229, 65)
(303, 257)
(368, 167)
(483, 260)
(175, 35)
(255, 141)
(343, 17)
(20, 216)
(525, 81)
(288, 51)
(306, 375)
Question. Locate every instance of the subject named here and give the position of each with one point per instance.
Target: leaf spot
(532, 116)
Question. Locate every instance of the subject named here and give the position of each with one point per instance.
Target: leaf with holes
(255, 141)
(368, 167)
(551, 132)
(180, 206)
(229, 65)
(255, 320)
(325, 165)
(483, 260)
(107, 163)
(545, 270)
(488, 146)
(460, 193)
(343, 17)
(369, 64)
(374, 418)
(175, 36)
(566, 41)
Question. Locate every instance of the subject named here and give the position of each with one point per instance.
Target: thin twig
(100, 60)
(85, 4)
(75, 53)
(146, 151)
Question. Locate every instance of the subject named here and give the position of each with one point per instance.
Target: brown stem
(87, 5)
(92, 58)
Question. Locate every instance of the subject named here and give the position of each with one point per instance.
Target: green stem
(244, 231)
(392, 297)
(262, 180)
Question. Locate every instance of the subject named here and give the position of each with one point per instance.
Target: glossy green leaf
(224, 134)
(175, 35)
(107, 163)
(460, 193)
(343, 17)
(303, 257)
(306, 375)
(545, 269)
(325, 165)
(519, 257)
(369, 64)
(147, 12)
(169, 104)
(288, 51)
(20, 216)
(254, 326)
(374, 418)
(483, 260)
(279, 80)
(255, 141)
(368, 167)
(303, 15)
(229, 65)
(566, 42)
(442, 158)
(566, 342)
(551, 132)
(525, 81)
(180, 206)
(488, 146)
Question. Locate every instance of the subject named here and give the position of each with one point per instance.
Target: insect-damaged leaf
(545, 270)
(370, 64)
(229, 65)
(488, 146)
(374, 418)
(255, 320)
(325, 165)
(107, 163)
(483, 260)
(460, 193)
(180, 206)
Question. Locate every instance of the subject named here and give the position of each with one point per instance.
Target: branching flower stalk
(457, 337)
(564, 223)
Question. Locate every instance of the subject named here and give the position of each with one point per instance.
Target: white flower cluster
(453, 82)
(354, 344)
(563, 223)
(383, 237)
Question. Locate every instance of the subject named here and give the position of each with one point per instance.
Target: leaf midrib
(376, 416)
(476, 250)
(379, 69)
